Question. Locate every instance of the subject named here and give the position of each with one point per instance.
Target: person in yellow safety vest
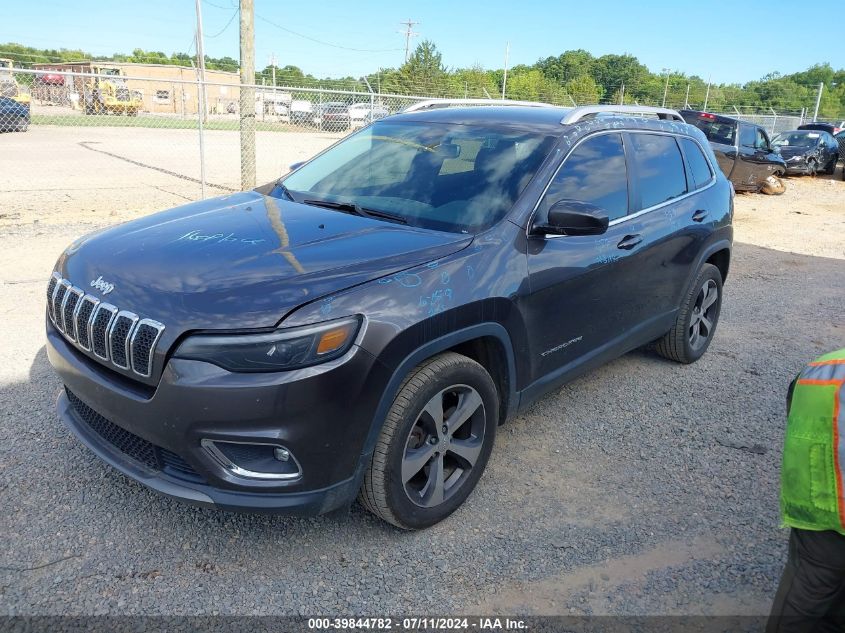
(811, 595)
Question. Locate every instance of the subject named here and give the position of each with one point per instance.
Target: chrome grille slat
(119, 333)
(115, 336)
(142, 345)
(99, 331)
(59, 303)
(71, 300)
(84, 313)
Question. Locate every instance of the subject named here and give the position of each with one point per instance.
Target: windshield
(796, 139)
(446, 177)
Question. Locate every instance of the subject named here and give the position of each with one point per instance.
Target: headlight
(282, 350)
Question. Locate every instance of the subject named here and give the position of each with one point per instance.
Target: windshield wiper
(285, 191)
(357, 209)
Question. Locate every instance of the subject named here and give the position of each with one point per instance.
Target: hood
(788, 151)
(242, 261)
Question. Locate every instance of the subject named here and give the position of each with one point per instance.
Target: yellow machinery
(107, 93)
(9, 87)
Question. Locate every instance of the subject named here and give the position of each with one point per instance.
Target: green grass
(108, 120)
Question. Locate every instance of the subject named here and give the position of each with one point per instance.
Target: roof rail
(431, 104)
(581, 112)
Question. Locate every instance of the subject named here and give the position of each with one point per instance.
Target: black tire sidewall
(411, 515)
(707, 272)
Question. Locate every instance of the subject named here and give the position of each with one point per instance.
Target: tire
(400, 483)
(680, 343)
(22, 124)
(773, 185)
(831, 166)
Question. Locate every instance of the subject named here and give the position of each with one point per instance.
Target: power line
(220, 32)
(313, 39)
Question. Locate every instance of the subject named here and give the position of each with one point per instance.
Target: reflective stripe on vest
(813, 474)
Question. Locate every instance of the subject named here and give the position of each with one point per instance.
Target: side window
(747, 135)
(659, 168)
(761, 141)
(594, 172)
(698, 169)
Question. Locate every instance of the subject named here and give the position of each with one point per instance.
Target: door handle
(699, 215)
(629, 241)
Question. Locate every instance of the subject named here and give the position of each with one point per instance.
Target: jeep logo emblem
(101, 285)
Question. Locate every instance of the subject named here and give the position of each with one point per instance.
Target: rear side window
(594, 172)
(698, 169)
(747, 136)
(720, 132)
(660, 168)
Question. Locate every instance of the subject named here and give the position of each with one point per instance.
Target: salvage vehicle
(808, 151)
(14, 116)
(821, 126)
(332, 117)
(743, 151)
(363, 325)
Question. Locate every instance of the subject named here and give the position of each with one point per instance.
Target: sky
(715, 38)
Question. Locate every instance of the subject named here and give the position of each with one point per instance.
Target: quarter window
(747, 135)
(698, 169)
(660, 169)
(594, 172)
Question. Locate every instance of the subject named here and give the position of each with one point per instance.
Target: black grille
(50, 288)
(129, 444)
(88, 305)
(135, 447)
(99, 335)
(119, 335)
(57, 306)
(67, 312)
(145, 337)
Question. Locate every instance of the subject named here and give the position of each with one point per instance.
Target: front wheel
(773, 185)
(696, 322)
(831, 166)
(434, 444)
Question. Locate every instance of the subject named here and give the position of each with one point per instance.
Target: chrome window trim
(220, 458)
(59, 313)
(636, 214)
(134, 321)
(112, 310)
(70, 332)
(131, 358)
(52, 300)
(76, 312)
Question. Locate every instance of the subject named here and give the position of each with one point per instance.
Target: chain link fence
(173, 131)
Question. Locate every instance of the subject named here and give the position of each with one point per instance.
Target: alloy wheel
(703, 314)
(444, 445)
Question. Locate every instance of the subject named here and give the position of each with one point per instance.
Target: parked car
(301, 112)
(362, 326)
(808, 151)
(332, 117)
(364, 113)
(14, 116)
(840, 139)
(743, 151)
(821, 126)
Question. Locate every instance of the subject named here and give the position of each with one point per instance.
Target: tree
(424, 72)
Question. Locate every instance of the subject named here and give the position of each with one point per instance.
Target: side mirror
(296, 166)
(571, 217)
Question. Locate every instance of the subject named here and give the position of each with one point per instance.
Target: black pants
(811, 595)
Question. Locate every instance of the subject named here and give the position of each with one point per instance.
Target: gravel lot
(644, 487)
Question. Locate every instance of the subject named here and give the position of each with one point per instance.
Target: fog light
(254, 460)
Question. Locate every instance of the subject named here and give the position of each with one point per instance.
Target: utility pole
(686, 99)
(201, 64)
(505, 79)
(273, 68)
(666, 88)
(622, 95)
(707, 94)
(247, 94)
(818, 101)
(409, 33)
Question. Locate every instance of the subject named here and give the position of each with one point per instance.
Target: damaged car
(808, 151)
